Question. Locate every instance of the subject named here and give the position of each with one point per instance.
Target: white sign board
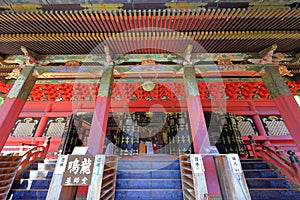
(197, 163)
(99, 164)
(80, 151)
(149, 147)
(61, 164)
(234, 161)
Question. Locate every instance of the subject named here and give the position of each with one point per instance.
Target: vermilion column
(41, 127)
(195, 110)
(284, 100)
(14, 102)
(99, 123)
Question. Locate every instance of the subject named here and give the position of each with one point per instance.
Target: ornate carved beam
(86, 58)
(96, 71)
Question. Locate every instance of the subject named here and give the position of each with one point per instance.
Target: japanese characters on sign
(78, 170)
(197, 163)
(235, 163)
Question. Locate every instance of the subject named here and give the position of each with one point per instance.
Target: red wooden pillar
(99, 123)
(197, 121)
(41, 127)
(14, 102)
(284, 100)
(258, 123)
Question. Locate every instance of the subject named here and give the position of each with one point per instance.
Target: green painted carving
(23, 85)
(1, 100)
(190, 82)
(106, 82)
(225, 79)
(121, 58)
(274, 82)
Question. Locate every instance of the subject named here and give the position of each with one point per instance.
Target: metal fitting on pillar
(293, 158)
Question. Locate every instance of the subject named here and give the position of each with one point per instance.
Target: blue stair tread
(38, 194)
(274, 194)
(146, 174)
(148, 194)
(268, 183)
(145, 161)
(148, 183)
(268, 173)
(34, 184)
(251, 160)
(255, 165)
(265, 183)
(150, 166)
(40, 174)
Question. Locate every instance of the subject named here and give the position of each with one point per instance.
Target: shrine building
(150, 100)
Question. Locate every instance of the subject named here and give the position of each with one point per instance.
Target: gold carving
(148, 62)
(14, 74)
(284, 71)
(73, 63)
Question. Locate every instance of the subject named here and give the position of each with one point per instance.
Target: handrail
(31, 156)
(16, 150)
(269, 154)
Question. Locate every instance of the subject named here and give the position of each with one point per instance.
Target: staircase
(264, 183)
(148, 177)
(8, 169)
(34, 182)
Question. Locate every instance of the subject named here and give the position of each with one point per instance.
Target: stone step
(145, 174)
(148, 194)
(148, 166)
(33, 194)
(148, 184)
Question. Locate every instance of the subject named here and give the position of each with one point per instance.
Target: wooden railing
(109, 178)
(30, 154)
(187, 177)
(276, 157)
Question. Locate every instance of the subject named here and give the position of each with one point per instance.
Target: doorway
(149, 133)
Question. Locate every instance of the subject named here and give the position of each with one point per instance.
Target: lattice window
(246, 125)
(55, 127)
(274, 125)
(25, 127)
